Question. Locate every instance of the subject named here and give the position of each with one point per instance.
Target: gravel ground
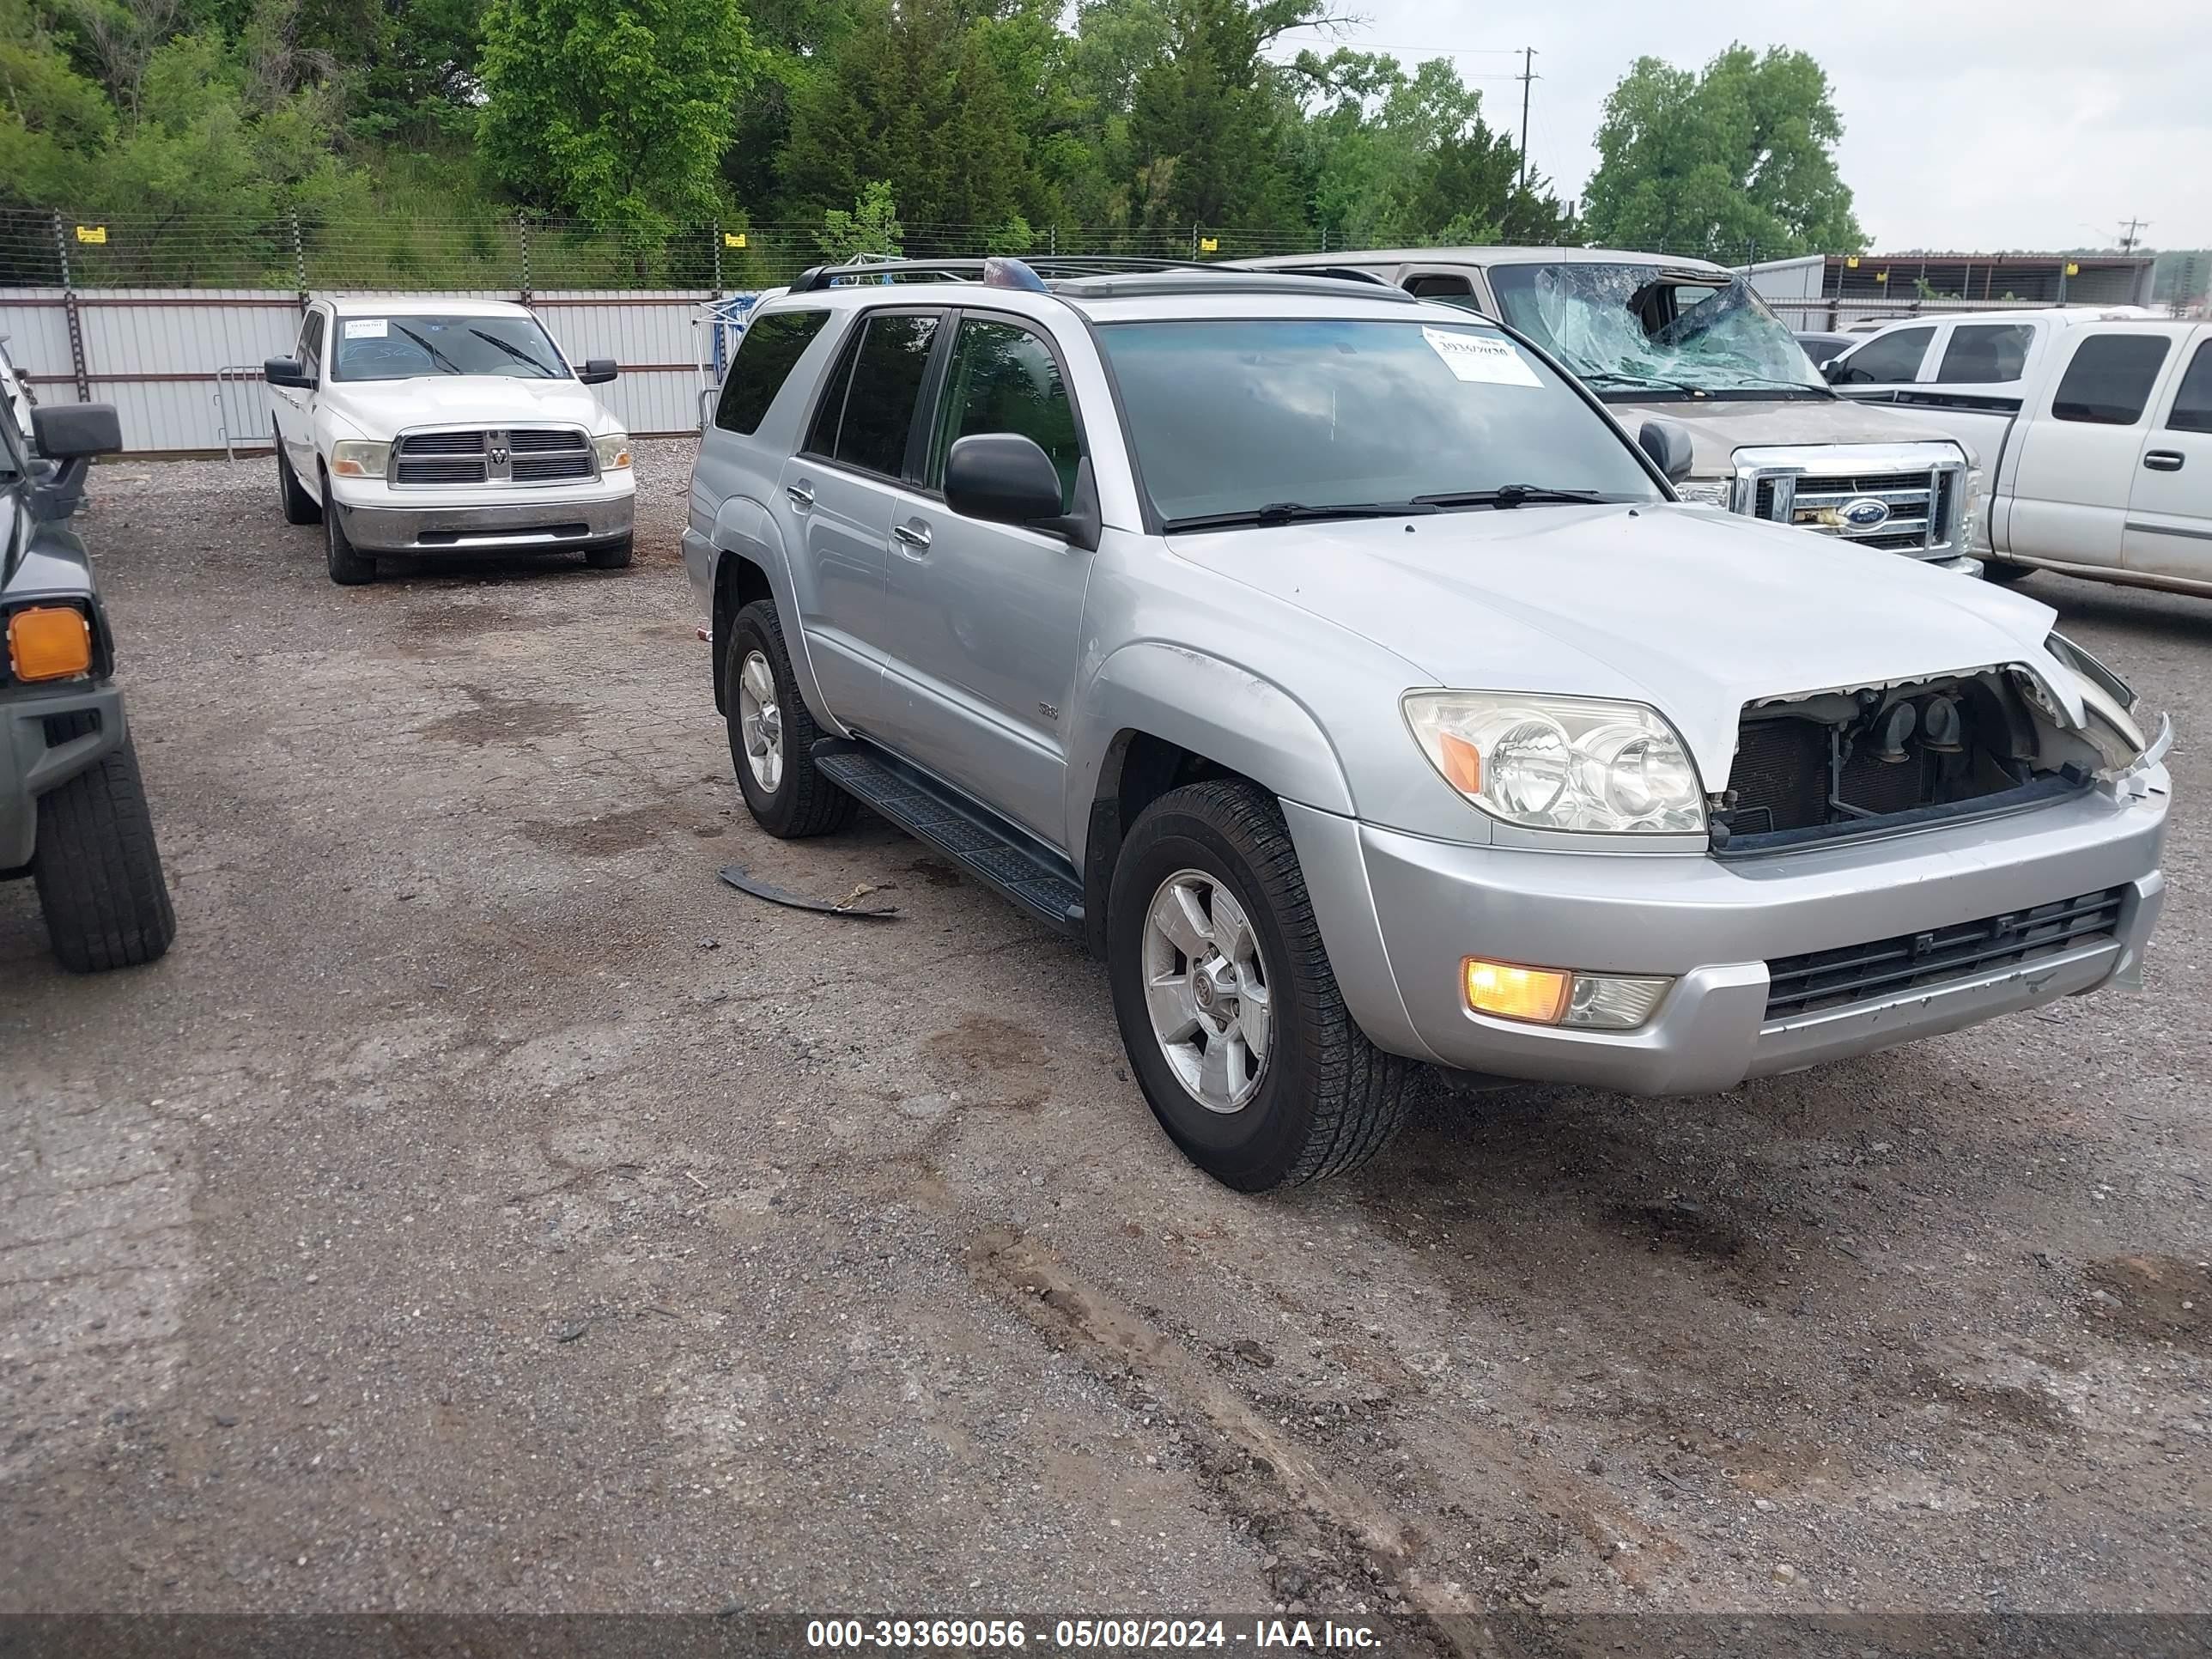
(482, 1208)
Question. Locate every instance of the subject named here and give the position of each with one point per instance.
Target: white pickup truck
(2095, 431)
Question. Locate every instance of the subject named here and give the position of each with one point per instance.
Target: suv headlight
(1705, 492)
(353, 457)
(1560, 763)
(613, 451)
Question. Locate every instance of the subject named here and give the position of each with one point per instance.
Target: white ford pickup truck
(2096, 431)
(446, 426)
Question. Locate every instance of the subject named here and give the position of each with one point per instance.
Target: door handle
(915, 535)
(2163, 460)
(801, 496)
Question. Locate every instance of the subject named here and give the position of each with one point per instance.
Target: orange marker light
(49, 642)
(1463, 763)
(1538, 995)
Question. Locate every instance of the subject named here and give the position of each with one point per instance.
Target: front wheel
(300, 507)
(1229, 1009)
(615, 555)
(2005, 575)
(350, 566)
(98, 871)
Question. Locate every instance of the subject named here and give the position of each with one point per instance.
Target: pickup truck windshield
(1633, 330)
(408, 347)
(1277, 419)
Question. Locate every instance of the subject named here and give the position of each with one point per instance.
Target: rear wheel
(300, 507)
(99, 871)
(350, 566)
(1229, 1009)
(772, 734)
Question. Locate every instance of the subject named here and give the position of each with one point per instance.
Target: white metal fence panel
(183, 366)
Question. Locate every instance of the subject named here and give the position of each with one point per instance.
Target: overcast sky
(1968, 123)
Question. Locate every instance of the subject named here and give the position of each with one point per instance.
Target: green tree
(615, 110)
(1211, 123)
(871, 227)
(1741, 153)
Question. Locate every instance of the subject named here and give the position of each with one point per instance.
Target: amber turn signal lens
(1463, 763)
(1535, 994)
(49, 642)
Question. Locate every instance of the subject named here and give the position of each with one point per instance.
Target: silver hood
(1694, 612)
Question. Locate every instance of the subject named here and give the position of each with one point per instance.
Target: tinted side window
(1004, 379)
(311, 343)
(822, 435)
(886, 385)
(2109, 380)
(1433, 286)
(1982, 352)
(2192, 404)
(1893, 359)
(767, 353)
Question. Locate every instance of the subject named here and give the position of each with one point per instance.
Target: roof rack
(1056, 267)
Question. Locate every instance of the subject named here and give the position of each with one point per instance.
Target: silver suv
(1340, 670)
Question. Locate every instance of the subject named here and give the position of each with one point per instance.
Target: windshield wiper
(436, 355)
(1282, 512)
(1512, 494)
(515, 352)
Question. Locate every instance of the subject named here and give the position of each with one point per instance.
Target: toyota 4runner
(1334, 667)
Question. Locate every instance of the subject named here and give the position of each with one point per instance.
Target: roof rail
(1051, 266)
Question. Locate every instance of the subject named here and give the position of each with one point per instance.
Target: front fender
(1211, 707)
(745, 528)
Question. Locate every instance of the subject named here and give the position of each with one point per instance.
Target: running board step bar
(977, 840)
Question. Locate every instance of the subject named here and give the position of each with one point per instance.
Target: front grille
(1919, 505)
(1824, 980)
(526, 455)
(1780, 776)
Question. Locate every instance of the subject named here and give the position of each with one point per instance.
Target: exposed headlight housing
(1705, 492)
(1973, 521)
(1545, 762)
(355, 457)
(613, 451)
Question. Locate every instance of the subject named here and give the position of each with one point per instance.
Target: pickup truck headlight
(1704, 492)
(353, 458)
(1974, 522)
(613, 451)
(1560, 763)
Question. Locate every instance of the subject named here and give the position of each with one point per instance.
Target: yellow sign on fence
(733, 238)
(1209, 244)
(2072, 268)
(92, 232)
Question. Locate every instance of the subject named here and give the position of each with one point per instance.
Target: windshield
(1232, 417)
(1629, 328)
(404, 348)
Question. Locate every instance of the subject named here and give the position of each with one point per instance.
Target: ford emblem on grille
(1865, 512)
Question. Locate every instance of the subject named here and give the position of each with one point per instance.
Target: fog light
(1536, 994)
(49, 642)
(1554, 996)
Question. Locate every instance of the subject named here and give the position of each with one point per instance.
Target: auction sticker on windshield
(1480, 357)
(367, 328)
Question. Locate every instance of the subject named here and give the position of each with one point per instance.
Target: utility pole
(1528, 74)
(2132, 236)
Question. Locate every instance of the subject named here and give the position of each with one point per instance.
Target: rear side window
(1890, 361)
(2192, 404)
(769, 350)
(2109, 380)
(865, 420)
(1434, 285)
(1980, 353)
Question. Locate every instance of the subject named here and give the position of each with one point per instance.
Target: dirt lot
(482, 1208)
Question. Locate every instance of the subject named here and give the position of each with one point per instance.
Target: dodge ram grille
(522, 455)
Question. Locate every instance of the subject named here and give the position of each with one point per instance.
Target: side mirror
(69, 432)
(1669, 447)
(287, 371)
(1002, 477)
(597, 371)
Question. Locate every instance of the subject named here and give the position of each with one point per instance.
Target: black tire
(615, 555)
(804, 802)
(300, 507)
(99, 871)
(1328, 1100)
(2005, 575)
(350, 566)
